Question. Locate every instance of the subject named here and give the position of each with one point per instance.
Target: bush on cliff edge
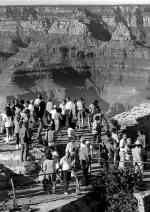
(119, 186)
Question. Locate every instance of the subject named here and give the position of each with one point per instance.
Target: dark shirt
(24, 135)
(42, 107)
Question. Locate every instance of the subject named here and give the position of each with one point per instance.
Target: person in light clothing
(49, 169)
(137, 157)
(65, 165)
(80, 112)
(49, 106)
(84, 160)
(128, 154)
(114, 135)
(122, 151)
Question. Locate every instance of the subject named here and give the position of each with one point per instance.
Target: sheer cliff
(98, 45)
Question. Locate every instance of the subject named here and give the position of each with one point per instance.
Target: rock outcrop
(131, 117)
(82, 41)
(68, 27)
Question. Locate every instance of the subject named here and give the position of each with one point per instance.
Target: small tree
(118, 190)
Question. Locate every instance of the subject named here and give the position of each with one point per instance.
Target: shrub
(119, 186)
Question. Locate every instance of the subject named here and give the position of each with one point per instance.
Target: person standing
(49, 106)
(36, 106)
(84, 160)
(24, 140)
(57, 120)
(72, 150)
(122, 144)
(91, 114)
(65, 165)
(68, 112)
(128, 154)
(50, 133)
(116, 146)
(62, 106)
(16, 130)
(137, 157)
(42, 107)
(80, 112)
(90, 153)
(104, 156)
(49, 169)
(96, 129)
(142, 139)
(8, 120)
(110, 148)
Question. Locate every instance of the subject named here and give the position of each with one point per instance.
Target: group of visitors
(116, 149)
(122, 151)
(77, 158)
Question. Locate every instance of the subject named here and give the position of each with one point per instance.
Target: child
(49, 169)
(66, 171)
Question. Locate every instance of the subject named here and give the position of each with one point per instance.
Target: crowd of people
(115, 149)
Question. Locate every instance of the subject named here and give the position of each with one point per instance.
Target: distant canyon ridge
(98, 48)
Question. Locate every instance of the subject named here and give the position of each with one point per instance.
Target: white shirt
(37, 102)
(122, 143)
(83, 152)
(137, 154)
(94, 126)
(53, 113)
(49, 166)
(63, 108)
(31, 108)
(65, 164)
(79, 105)
(70, 132)
(49, 106)
(71, 146)
(91, 108)
(115, 137)
(69, 105)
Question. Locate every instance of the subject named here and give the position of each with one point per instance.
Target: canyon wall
(83, 41)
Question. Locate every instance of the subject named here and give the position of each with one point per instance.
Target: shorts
(50, 177)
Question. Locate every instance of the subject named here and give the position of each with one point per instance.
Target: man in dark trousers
(24, 140)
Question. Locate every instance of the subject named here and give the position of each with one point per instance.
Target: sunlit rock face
(83, 43)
